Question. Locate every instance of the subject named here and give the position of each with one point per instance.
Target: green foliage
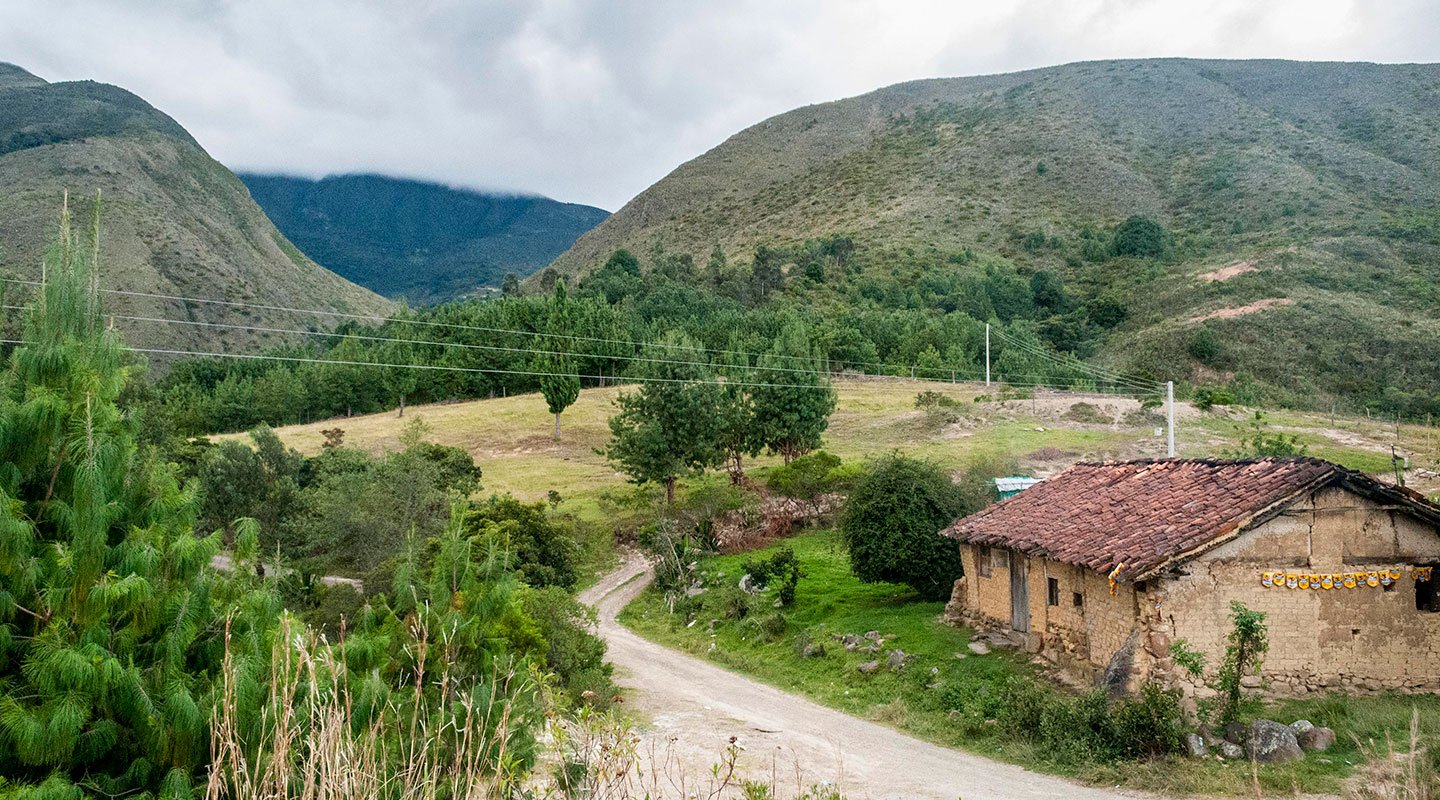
(1245, 649)
(1264, 443)
(807, 477)
(781, 568)
(531, 540)
(792, 399)
(1187, 658)
(110, 614)
(892, 521)
(1205, 346)
(668, 428)
(1141, 237)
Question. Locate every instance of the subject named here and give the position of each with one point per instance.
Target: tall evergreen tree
(668, 427)
(794, 398)
(560, 384)
(110, 614)
(736, 433)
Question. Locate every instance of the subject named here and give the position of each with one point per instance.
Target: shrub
(892, 521)
(1141, 237)
(765, 628)
(539, 545)
(1206, 398)
(782, 568)
(1204, 346)
(1087, 413)
(806, 478)
(1244, 653)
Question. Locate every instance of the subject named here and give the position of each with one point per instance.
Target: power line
(1075, 363)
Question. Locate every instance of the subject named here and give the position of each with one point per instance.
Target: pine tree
(794, 400)
(560, 381)
(736, 433)
(109, 610)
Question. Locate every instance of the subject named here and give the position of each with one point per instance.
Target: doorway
(1019, 594)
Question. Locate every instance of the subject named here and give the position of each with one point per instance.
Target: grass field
(511, 438)
(830, 601)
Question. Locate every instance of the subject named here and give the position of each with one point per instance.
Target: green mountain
(1298, 210)
(421, 241)
(175, 221)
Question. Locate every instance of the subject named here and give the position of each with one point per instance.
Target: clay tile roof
(1147, 514)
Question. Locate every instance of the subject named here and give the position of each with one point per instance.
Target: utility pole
(1170, 406)
(987, 355)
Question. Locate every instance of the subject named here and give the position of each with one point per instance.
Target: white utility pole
(1170, 407)
(987, 355)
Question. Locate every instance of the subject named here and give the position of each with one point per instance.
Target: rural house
(1102, 566)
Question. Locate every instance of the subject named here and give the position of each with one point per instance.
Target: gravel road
(693, 707)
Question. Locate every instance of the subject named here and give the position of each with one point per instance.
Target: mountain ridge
(417, 239)
(174, 222)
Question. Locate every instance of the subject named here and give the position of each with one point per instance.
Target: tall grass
(307, 729)
(1392, 775)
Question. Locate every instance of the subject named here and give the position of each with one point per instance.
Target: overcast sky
(593, 101)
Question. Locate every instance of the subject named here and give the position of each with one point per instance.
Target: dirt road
(694, 707)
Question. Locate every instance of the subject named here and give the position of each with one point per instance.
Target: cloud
(592, 101)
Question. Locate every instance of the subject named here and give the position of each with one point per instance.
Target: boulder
(1195, 745)
(869, 667)
(979, 648)
(1251, 681)
(747, 584)
(1300, 726)
(1231, 751)
(873, 636)
(1235, 733)
(896, 661)
(1270, 742)
(1316, 740)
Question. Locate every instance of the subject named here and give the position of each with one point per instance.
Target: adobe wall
(1084, 639)
(1363, 638)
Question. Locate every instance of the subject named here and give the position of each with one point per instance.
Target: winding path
(694, 707)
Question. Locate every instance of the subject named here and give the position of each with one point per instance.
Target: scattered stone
(962, 655)
(873, 636)
(979, 648)
(851, 642)
(695, 591)
(1271, 742)
(1195, 745)
(1300, 726)
(747, 584)
(897, 660)
(1231, 751)
(812, 650)
(869, 667)
(1316, 740)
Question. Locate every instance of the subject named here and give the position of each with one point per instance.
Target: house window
(1001, 558)
(982, 561)
(1052, 591)
(1077, 599)
(1427, 594)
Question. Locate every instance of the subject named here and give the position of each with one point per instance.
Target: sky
(591, 101)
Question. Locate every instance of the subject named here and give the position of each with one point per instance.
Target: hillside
(1300, 201)
(421, 241)
(175, 221)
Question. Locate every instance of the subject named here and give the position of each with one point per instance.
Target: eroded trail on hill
(694, 707)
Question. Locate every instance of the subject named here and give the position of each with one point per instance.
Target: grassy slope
(830, 601)
(510, 437)
(419, 240)
(175, 221)
(1302, 170)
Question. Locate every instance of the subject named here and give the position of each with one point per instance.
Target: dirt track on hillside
(693, 707)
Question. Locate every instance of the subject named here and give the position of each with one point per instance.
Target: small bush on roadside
(765, 628)
(782, 569)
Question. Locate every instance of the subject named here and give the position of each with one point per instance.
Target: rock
(1231, 751)
(1250, 681)
(979, 648)
(1195, 746)
(812, 650)
(873, 636)
(1316, 740)
(695, 591)
(1235, 733)
(869, 667)
(896, 661)
(851, 641)
(1270, 742)
(1300, 726)
(747, 584)
(962, 655)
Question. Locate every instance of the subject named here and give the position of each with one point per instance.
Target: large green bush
(892, 522)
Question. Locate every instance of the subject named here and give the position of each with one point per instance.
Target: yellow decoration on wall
(1280, 579)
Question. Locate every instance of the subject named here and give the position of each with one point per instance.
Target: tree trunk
(402, 406)
(737, 470)
(557, 427)
(670, 490)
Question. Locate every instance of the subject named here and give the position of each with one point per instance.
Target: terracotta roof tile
(1142, 514)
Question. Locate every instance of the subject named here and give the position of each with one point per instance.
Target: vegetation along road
(697, 706)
